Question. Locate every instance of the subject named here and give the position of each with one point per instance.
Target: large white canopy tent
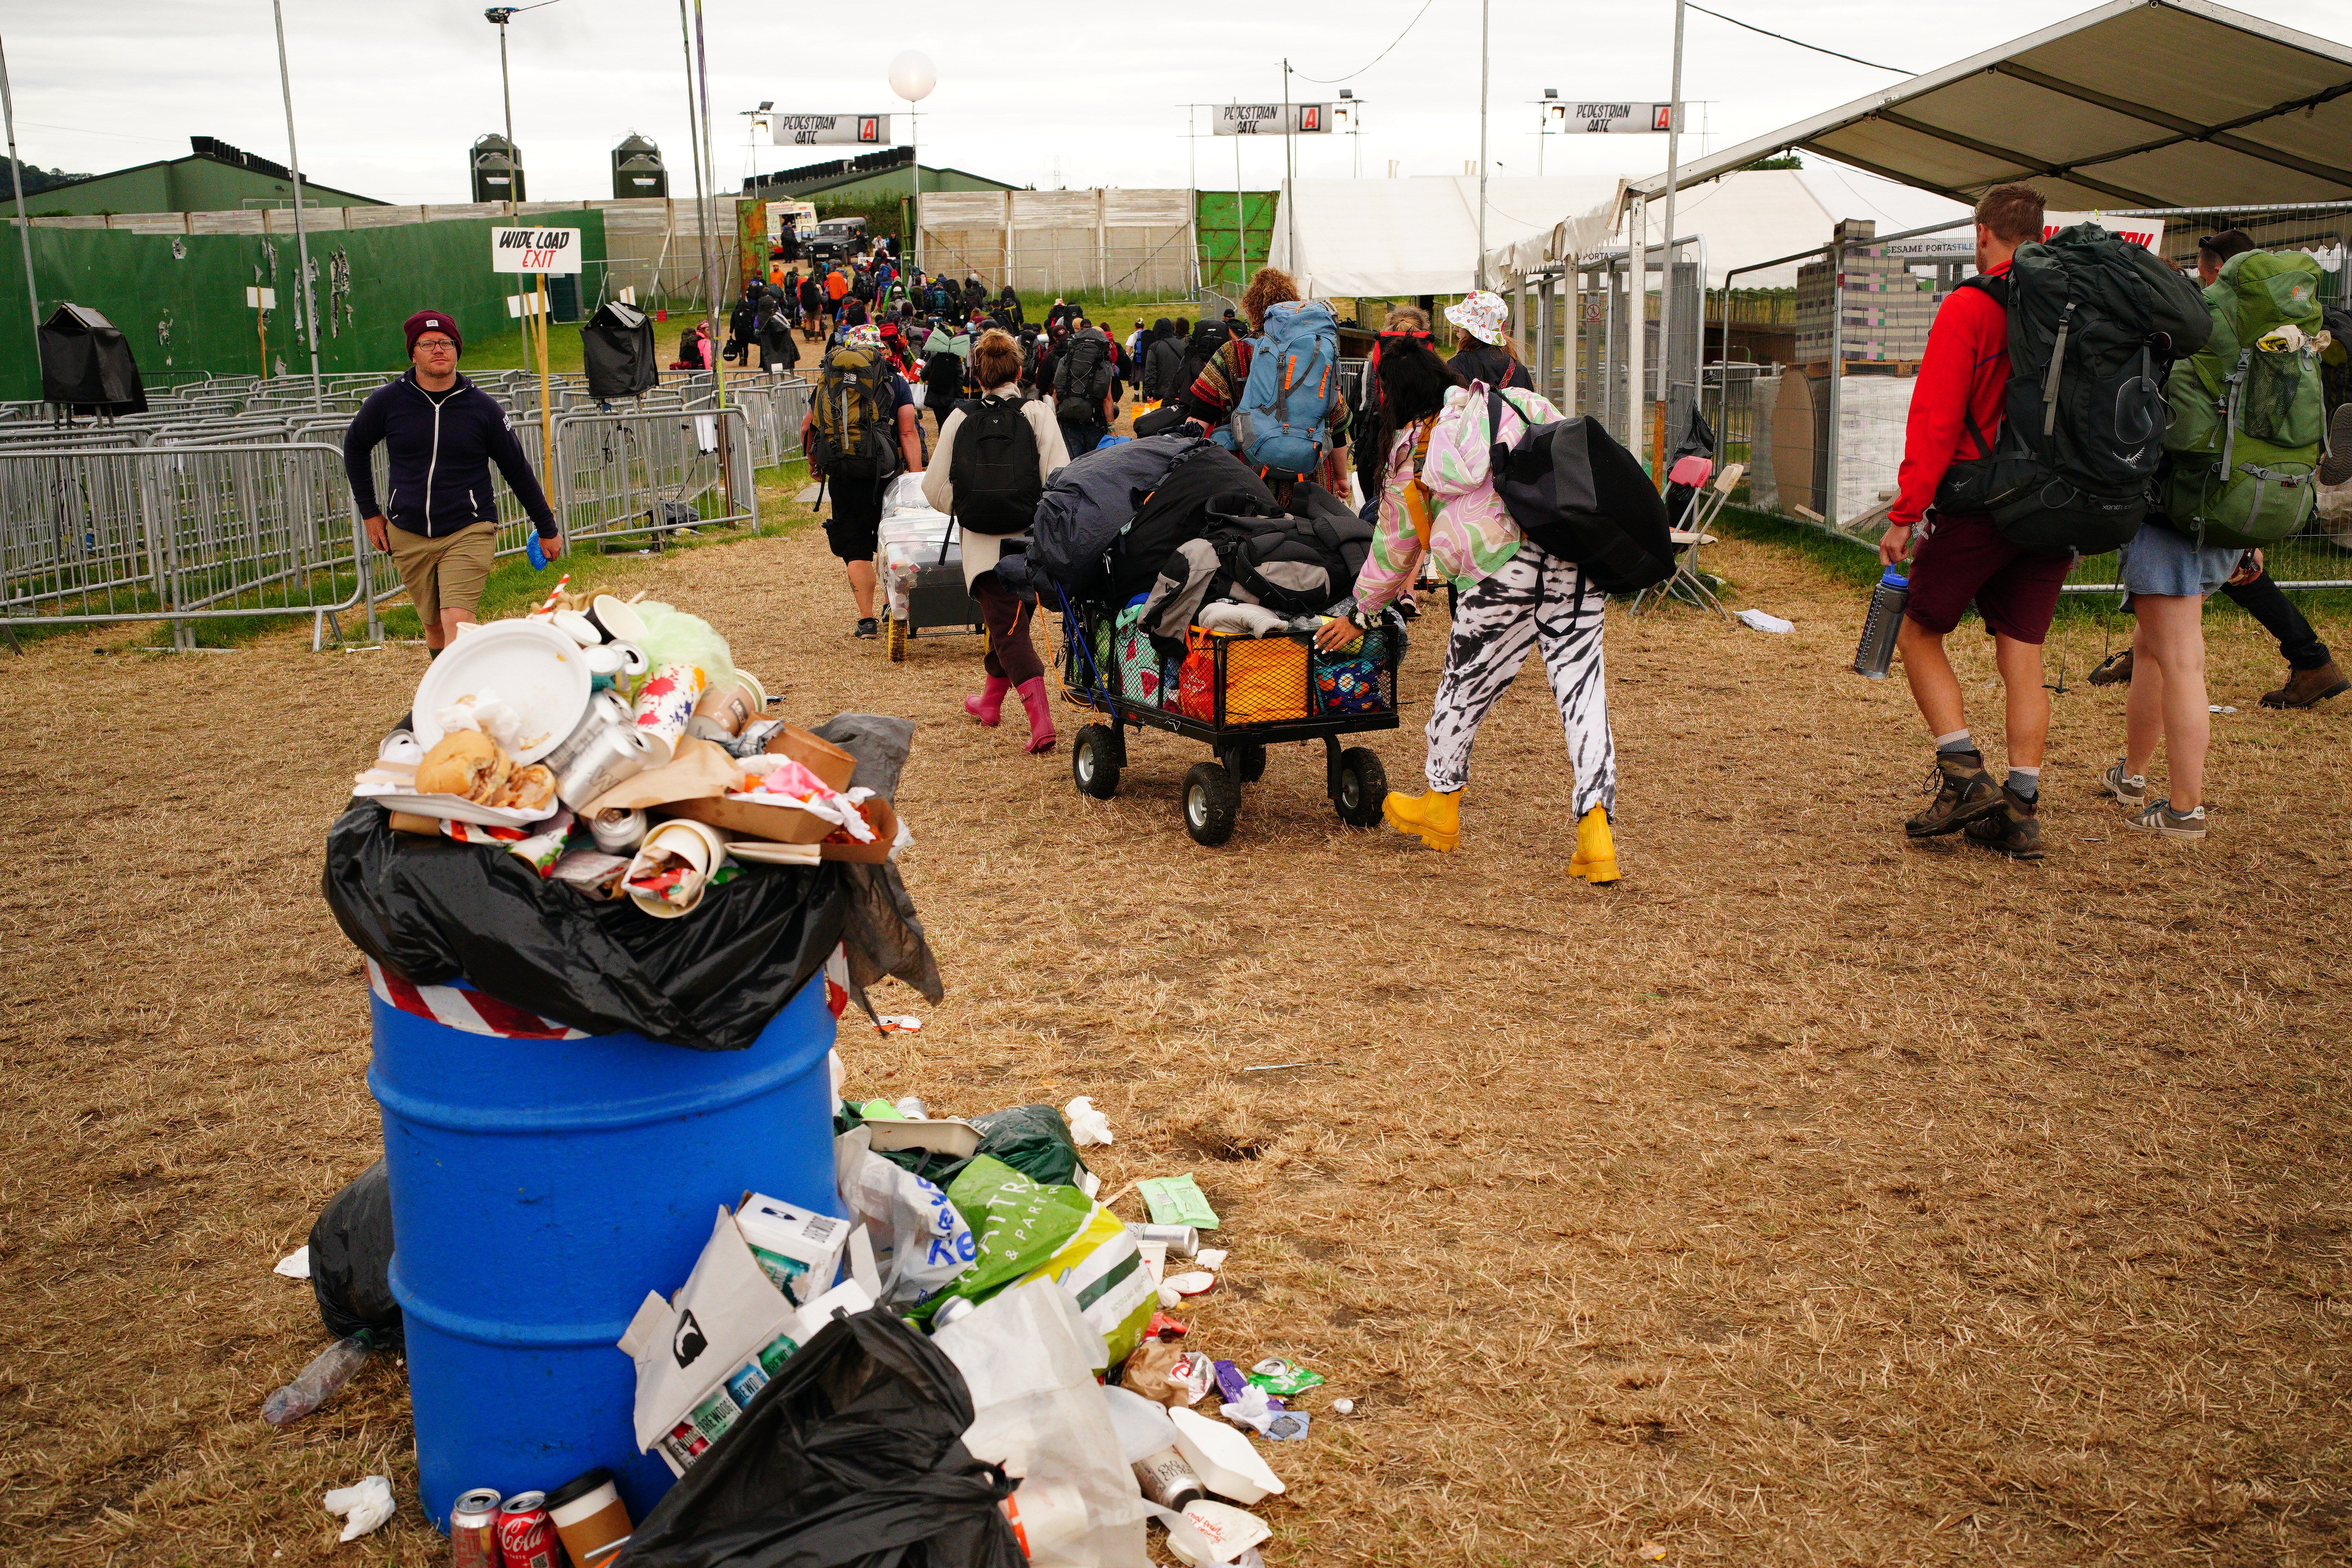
(2138, 104)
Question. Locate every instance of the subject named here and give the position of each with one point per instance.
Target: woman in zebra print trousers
(1437, 499)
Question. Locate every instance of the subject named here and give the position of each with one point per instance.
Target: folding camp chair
(1686, 584)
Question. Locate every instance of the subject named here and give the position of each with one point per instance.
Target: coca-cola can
(526, 1535)
(474, 1530)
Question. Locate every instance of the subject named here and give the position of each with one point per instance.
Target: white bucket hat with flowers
(1482, 315)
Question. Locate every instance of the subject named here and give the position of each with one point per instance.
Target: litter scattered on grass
(295, 1265)
(1765, 623)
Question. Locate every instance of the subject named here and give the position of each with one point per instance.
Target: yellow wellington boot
(1436, 817)
(1596, 851)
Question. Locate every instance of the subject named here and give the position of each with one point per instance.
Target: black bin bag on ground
(350, 1261)
(432, 910)
(850, 1458)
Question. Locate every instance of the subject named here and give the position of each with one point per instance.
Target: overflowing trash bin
(664, 1292)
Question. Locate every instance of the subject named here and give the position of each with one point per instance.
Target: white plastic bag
(1088, 1126)
(363, 1508)
(1029, 1357)
(920, 1243)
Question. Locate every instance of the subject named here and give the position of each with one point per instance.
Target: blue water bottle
(535, 553)
(1876, 650)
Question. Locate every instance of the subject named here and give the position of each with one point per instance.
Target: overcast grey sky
(390, 93)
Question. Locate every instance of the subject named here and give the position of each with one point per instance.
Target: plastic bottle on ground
(318, 1382)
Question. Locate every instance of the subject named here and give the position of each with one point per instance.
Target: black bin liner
(850, 1458)
(432, 910)
(86, 363)
(617, 352)
(350, 1261)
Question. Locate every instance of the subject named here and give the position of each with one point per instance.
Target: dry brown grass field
(1806, 1198)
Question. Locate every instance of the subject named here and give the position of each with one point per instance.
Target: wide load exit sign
(534, 250)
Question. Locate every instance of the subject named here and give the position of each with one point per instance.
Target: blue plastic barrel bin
(540, 1188)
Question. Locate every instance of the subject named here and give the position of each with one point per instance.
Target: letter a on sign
(869, 127)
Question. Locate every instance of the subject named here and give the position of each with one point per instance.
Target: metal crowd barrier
(212, 505)
(179, 534)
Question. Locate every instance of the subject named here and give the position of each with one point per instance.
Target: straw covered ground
(1806, 1198)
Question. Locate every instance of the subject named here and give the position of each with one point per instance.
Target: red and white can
(525, 1534)
(474, 1530)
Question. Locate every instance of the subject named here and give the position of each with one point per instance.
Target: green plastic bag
(1017, 1226)
(1025, 1230)
(1031, 1139)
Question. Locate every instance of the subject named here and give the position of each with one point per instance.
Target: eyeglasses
(435, 345)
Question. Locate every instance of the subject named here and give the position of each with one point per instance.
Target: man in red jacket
(1956, 410)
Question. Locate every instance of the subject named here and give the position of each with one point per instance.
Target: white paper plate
(761, 852)
(458, 809)
(535, 670)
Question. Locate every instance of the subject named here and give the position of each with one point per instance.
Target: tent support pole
(24, 224)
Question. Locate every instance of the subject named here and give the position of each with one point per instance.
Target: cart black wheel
(898, 639)
(1094, 762)
(1363, 785)
(1211, 801)
(1251, 762)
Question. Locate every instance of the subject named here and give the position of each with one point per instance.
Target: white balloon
(912, 76)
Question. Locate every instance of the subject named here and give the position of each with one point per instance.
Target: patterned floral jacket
(1470, 533)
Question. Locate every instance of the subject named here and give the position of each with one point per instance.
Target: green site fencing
(180, 299)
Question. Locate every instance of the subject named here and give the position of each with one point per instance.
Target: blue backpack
(1282, 423)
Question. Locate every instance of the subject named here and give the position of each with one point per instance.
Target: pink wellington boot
(1041, 713)
(989, 706)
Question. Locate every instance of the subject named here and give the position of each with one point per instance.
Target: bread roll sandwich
(463, 762)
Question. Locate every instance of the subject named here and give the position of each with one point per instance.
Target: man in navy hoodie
(438, 520)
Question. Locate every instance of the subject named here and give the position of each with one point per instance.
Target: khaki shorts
(445, 573)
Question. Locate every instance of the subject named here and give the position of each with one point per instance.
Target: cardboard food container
(823, 758)
(951, 1136)
(791, 824)
(694, 785)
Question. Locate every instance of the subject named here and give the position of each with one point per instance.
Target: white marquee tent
(1387, 239)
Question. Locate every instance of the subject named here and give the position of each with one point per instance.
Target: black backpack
(1209, 479)
(1082, 378)
(994, 469)
(2093, 323)
(1199, 350)
(1583, 498)
(1294, 565)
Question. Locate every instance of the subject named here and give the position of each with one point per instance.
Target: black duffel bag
(1583, 498)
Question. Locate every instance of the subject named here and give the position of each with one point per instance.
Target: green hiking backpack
(853, 430)
(2247, 418)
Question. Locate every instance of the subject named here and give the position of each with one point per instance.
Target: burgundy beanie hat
(425, 322)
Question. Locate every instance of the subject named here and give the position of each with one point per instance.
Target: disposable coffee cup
(618, 620)
(696, 843)
(589, 1516)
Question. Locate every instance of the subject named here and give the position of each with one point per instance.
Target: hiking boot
(2157, 817)
(2337, 467)
(1963, 791)
(2129, 788)
(1436, 817)
(1596, 851)
(867, 626)
(2309, 688)
(2114, 670)
(2013, 829)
